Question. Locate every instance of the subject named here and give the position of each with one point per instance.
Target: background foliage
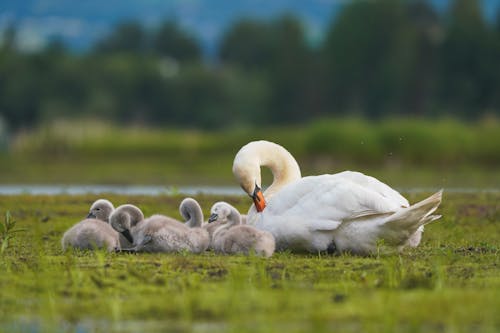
(378, 59)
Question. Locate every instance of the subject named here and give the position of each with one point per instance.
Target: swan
(160, 233)
(101, 210)
(343, 212)
(94, 231)
(233, 237)
(210, 226)
(125, 219)
(191, 211)
(223, 218)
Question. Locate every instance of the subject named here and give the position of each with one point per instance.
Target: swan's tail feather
(408, 220)
(429, 219)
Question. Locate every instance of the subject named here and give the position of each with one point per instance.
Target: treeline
(378, 59)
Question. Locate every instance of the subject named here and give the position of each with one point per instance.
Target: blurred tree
(203, 98)
(379, 58)
(497, 22)
(426, 35)
(171, 41)
(469, 65)
(247, 44)
(290, 72)
(496, 71)
(56, 47)
(126, 37)
(278, 51)
(367, 59)
(9, 38)
(21, 88)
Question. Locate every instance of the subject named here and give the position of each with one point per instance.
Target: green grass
(451, 283)
(441, 153)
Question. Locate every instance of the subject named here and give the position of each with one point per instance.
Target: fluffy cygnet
(233, 237)
(94, 231)
(160, 233)
(125, 220)
(210, 227)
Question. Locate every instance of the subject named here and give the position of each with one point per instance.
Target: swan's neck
(195, 219)
(121, 220)
(283, 166)
(192, 214)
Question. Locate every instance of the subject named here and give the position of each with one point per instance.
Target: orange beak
(258, 200)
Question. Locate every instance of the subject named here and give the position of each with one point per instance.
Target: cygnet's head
(101, 210)
(124, 218)
(220, 212)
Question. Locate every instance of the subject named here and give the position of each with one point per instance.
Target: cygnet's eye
(98, 209)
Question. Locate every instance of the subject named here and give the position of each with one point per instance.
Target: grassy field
(406, 153)
(451, 283)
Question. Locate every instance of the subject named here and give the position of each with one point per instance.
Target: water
(118, 189)
(17, 189)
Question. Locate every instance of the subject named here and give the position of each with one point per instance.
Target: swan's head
(101, 210)
(248, 175)
(251, 157)
(124, 218)
(247, 172)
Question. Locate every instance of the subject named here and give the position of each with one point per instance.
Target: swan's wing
(329, 198)
(375, 185)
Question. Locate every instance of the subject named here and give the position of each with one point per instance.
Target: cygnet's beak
(91, 216)
(128, 236)
(213, 218)
(258, 199)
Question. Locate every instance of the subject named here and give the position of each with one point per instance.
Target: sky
(80, 23)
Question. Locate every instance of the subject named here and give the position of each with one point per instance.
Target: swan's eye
(98, 209)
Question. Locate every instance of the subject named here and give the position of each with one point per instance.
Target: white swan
(94, 231)
(160, 233)
(233, 237)
(343, 212)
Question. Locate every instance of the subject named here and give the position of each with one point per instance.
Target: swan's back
(330, 197)
(375, 185)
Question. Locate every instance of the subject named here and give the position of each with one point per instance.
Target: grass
(451, 283)
(441, 153)
(7, 232)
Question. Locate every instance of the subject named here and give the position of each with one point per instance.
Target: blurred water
(117, 189)
(185, 190)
